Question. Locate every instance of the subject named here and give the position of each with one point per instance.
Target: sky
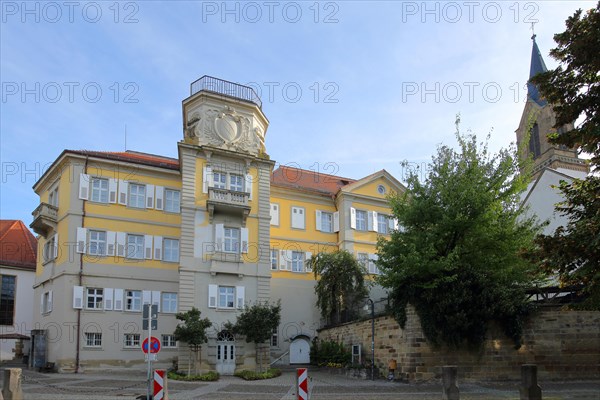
(349, 87)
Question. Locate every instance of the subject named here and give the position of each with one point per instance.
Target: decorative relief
(225, 128)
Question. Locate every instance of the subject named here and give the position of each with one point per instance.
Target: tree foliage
(573, 89)
(192, 330)
(340, 283)
(457, 257)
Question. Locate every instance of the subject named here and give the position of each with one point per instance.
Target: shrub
(180, 376)
(329, 353)
(254, 376)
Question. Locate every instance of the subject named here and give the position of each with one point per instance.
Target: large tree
(573, 89)
(192, 330)
(340, 284)
(457, 259)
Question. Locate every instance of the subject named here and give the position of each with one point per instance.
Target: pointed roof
(18, 246)
(537, 66)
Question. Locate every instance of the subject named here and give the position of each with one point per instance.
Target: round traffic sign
(154, 345)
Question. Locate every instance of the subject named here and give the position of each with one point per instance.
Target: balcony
(228, 202)
(230, 89)
(45, 218)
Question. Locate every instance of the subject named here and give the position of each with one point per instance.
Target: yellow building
(215, 229)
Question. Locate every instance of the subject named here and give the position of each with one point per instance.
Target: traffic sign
(151, 357)
(302, 377)
(154, 324)
(154, 345)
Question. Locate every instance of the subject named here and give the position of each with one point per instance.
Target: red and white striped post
(302, 374)
(160, 385)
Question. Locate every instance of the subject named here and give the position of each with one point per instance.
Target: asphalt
(129, 384)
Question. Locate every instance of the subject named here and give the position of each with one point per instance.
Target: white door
(225, 353)
(300, 351)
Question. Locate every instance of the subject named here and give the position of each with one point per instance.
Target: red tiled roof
(309, 180)
(132, 156)
(18, 246)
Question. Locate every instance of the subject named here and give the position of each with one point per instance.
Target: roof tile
(18, 246)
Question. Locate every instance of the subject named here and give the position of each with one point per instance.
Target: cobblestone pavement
(127, 384)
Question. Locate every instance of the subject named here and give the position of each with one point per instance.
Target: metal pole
(149, 351)
(372, 339)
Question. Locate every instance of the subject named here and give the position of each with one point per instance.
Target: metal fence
(220, 86)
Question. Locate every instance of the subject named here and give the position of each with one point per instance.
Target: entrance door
(300, 351)
(225, 353)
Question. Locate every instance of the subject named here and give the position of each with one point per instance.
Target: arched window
(534, 141)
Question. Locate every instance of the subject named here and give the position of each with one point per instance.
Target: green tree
(456, 258)
(573, 89)
(340, 283)
(193, 332)
(257, 323)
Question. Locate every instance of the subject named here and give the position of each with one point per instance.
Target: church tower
(537, 122)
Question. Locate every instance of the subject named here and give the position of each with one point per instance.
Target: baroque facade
(217, 228)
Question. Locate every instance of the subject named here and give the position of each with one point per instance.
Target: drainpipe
(80, 277)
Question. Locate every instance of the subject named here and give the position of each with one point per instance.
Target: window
(133, 300)
(382, 224)
(137, 195)
(297, 261)
(236, 182)
(46, 302)
(226, 296)
(361, 220)
(135, 246)
(50, 249)
(99, 190)
(97, 245)
(326, 222)
(534, 141)
(373, 269)
(168, 341)
(132, 340)
(53, 197)
(363, 259)
(94, 298)
(274, 258)
(169, 302)
(298, 218)
(232, 240)
(274, 338)
(172, 200)
(7, 299)
(220, 180)
(93, 339)
(171, 250)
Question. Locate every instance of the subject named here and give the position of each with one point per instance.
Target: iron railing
(220, 86)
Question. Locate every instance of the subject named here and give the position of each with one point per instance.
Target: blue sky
(350, 87)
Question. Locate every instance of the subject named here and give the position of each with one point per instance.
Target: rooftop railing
(220, 86)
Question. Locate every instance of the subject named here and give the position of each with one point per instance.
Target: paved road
(127, 384)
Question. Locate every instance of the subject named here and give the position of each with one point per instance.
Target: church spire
(537, 67)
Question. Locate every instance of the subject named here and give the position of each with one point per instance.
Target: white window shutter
(108, 298)
(336, 221)
(55, 248)
(396, 225)
(288, 263)
(149, 196)
(146, 297)
(318, 220)
(352, 217)
(112, 190)
(121, 244)
(42, 302)
(219, 236)
(156, 298)
(50, 300)
(158, 244)
(123, 188)
(78, 297)
(148, 247)
(249, 182)
(307, 263)
(240, 296)
(391, 223)
(207, 179)
(160, 197)
(81, 240)
(283, 259)
(244, 240)
(111, 237)
(212, 296)
(372, 221)
(118, 300)
(274, 214)
(84, 186)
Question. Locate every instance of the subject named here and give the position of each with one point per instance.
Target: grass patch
(180, 376)
(255, 376)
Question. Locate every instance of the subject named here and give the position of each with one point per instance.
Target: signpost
(151, 345)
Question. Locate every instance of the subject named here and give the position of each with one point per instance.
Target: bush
(180, 376)
(255, 376)
(329, 353)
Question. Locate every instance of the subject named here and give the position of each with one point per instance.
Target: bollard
(302, 383)
(529, 390)
(12, 384)
(160, 385)
(449, 383)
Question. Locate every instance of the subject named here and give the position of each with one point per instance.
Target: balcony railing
(228, 196)
(220, 86)
(45, 217)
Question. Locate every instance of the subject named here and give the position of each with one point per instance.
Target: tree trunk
(189, 363)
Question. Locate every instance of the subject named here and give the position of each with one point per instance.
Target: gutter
(80, 280)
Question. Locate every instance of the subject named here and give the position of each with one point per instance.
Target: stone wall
(564, 345)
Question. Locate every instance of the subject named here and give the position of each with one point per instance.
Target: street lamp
(372, 338)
